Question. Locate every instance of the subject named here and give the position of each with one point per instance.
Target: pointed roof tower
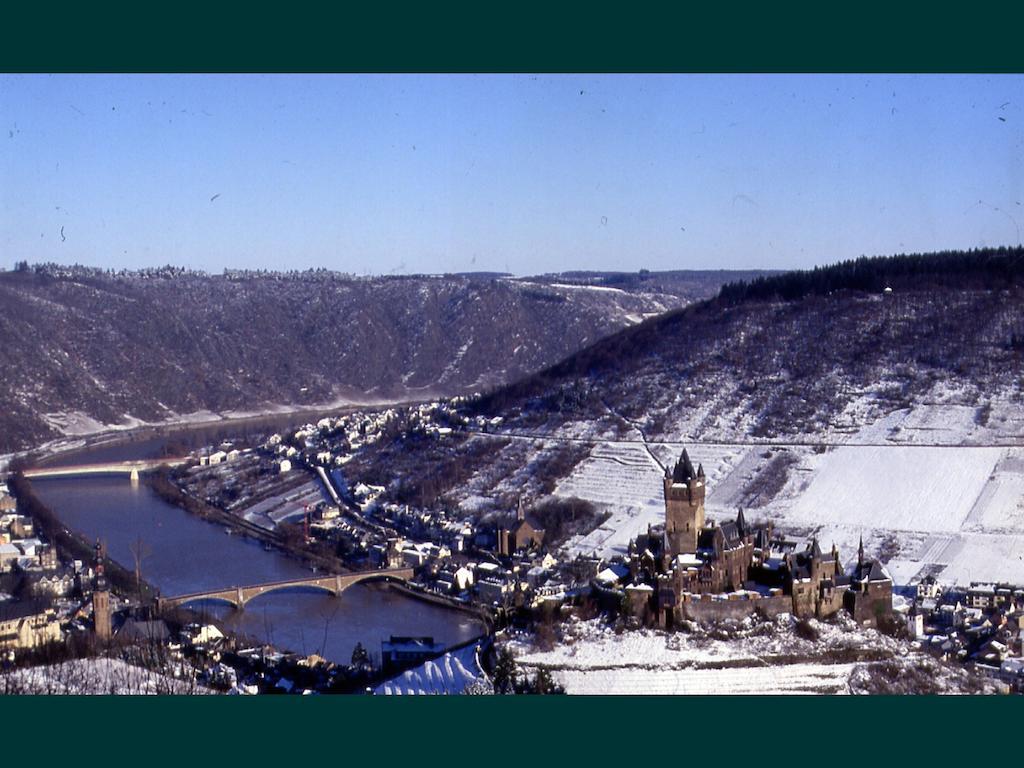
(741, 522)
(860, 551)
(683, 472)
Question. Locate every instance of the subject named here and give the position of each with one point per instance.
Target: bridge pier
(239, 598)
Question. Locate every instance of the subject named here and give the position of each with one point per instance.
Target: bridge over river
(335, 584)
(130, 468)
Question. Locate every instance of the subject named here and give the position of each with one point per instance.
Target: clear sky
(525, 173)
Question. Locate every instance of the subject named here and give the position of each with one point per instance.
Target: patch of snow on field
(785, 679)
(984, 557)
(751, 658)
(902, 488)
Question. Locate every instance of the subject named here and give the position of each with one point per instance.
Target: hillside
(799, 355)
(80, 348)
(843, 412)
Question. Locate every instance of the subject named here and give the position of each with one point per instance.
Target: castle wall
(707, 610)
(865, 607)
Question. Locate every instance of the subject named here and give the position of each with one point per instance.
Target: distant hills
(81, 348)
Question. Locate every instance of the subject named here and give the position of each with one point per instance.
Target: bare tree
(140, 551)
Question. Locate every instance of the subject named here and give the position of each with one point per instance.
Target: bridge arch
(333, 584)
(211, 598)
(252, 593)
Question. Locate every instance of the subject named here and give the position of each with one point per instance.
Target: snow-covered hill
(82, 350)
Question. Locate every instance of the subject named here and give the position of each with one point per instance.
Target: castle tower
(101, 599)
(684, 505)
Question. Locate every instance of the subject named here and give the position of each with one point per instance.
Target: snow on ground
(903, 488)
(956, 512)
(962, 558)
(787, 679)
(623, 480)
(93, 677)
(449, 674)
(1000, 506)
(754, 658)
(77, 423)
(576, 287)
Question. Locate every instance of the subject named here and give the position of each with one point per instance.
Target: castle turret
(684, 505)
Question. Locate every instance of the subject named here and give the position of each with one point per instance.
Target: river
(183, 554)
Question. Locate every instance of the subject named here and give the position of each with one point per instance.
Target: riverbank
(216, 425)
(476, 611)
(73, 546)
(162, 485)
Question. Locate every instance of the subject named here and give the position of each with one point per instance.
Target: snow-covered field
(956, 512)
(448, 674)
(788, 679)
(755, 658)
(893, 487)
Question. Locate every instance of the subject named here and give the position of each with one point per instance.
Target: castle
(687, 569)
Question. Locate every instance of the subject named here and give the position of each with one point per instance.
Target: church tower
(684, 505)
(101, 598)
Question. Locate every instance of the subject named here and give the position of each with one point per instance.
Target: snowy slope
(93, 677)
(753, 658)
(448, 674)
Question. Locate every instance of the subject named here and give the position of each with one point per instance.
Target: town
(295, 492)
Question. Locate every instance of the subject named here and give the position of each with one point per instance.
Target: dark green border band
(526, 36)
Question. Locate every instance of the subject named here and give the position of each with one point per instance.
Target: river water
(183, 554)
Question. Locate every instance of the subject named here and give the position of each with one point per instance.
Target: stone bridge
(130, 468)
(334, 583)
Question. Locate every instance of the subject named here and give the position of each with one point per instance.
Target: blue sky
(525, 173)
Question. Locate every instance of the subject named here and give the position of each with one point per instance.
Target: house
(139, 632)
(22, 528)
(491, 590)
(928, 588)
(413, 558)
(203, 634)
(216, 458)
(463, 578)
(52, 584)
(400, 651)
(284, 466)
(28, 624)
(981, 595)
(9, 555)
